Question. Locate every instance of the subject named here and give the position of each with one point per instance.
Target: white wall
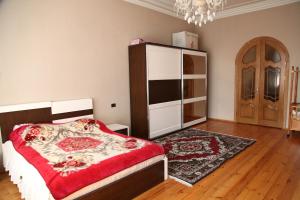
(224, 37)
(69, 49)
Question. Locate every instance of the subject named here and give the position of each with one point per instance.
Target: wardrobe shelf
(197, 121)
(194, 76)
(192, 100)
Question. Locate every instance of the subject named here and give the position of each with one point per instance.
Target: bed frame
(64, 111)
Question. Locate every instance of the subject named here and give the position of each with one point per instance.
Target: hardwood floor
(269, 169)
(8, 191)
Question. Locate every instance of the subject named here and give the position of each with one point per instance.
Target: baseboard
(222, 120)
(233, 121)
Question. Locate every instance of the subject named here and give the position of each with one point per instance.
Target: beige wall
(224, 37)
(68, 49)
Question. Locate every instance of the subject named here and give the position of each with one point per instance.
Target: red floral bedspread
(73, 155)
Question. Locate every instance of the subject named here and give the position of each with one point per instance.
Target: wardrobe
(168, 89)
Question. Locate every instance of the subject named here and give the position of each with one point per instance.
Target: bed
(131, 173)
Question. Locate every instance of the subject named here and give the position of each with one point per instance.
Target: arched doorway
(261, 82)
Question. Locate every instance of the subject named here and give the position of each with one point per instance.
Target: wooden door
(247, 79)
(272, 83)
(261, 83)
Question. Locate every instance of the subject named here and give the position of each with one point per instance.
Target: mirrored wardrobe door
(247, 77)
(272, 81)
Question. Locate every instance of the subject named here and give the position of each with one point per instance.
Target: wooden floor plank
(263, 180)
(235, 184)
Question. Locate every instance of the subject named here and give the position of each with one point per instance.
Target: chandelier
(198, 11)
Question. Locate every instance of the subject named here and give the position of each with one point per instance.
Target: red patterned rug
(193, 154)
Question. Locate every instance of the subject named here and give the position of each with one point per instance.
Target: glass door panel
(272, 83)
(194, 88)
(194, 64)
(271, 54)
(194, 111)
(248, 83)
(250, 56)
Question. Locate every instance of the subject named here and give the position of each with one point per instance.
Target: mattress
(33, 187)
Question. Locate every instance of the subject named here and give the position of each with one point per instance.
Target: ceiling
(232, 7)
(236, 3)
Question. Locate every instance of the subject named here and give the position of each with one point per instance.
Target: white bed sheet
(33, 187)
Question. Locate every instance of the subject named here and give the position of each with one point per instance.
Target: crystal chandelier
(198, 11)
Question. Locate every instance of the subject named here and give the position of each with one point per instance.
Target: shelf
(193, 88)
(194, 76)
(194, 53)
(194, 63)
(192, 100)
(194, 111)
(191, 123)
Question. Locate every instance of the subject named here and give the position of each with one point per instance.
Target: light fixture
(198, 11)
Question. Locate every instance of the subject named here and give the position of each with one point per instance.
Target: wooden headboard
(44, 112)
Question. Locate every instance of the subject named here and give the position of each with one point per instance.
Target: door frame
(286, 75)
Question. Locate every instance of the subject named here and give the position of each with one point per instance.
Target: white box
(185, 39)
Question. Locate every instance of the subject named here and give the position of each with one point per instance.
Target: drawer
(164, 118)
